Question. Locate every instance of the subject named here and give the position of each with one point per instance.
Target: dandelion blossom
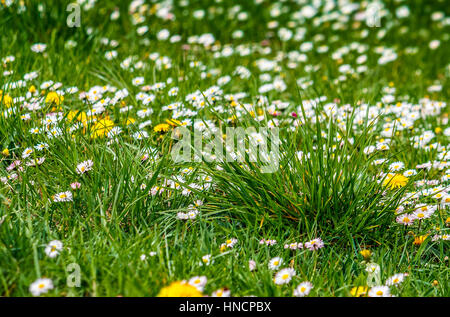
(395, 181)
(179, 289)
(359, 291)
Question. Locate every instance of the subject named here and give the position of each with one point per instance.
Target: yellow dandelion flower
(418, 240)
(359, 291)
(101, 128)
(162, 128)
(77, 115)
(7, 100)
(53, 97)
(179, 289)
(395, 181)
(366, 254)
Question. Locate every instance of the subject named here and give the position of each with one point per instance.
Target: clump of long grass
(324, 185)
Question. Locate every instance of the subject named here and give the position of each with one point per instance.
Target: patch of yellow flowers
(165, 127)
(100, 126)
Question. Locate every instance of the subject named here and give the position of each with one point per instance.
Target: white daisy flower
(53, 248)
(380, 291)
(275, 263)
(198, 282)
(41, 286)
(303, 289)
(284, 276)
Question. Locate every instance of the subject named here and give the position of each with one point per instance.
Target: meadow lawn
(92, 202)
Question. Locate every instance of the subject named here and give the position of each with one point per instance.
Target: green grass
(326, 186)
